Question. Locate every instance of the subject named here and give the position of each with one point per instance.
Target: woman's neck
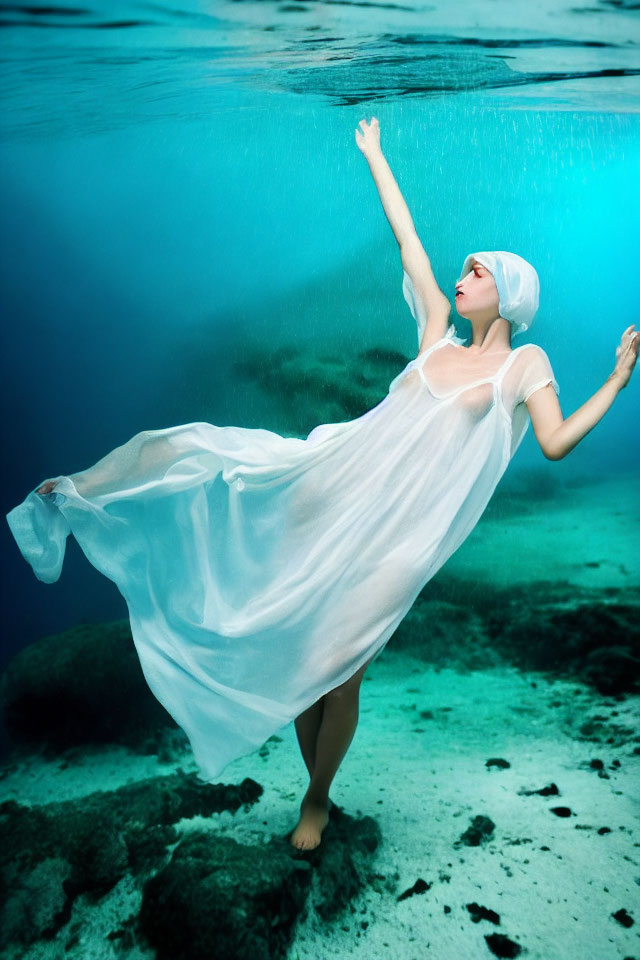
(496, 338)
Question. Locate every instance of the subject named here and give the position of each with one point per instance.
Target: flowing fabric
(262, 571)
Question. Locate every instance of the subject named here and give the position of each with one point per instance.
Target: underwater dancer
(264, 573)
(498, 293)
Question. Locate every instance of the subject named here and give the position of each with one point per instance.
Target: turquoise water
(190, 233)
(183, 187)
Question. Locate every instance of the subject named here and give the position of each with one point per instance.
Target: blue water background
(168, 208)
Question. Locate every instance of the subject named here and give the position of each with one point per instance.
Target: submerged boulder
(196, 891)
(220, 898)
(51, 854)
(588, 634)
(84, 686)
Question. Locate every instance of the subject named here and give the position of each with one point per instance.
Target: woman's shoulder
(530, 351)
(532, 367)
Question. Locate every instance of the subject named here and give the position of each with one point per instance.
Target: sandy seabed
(418, 765)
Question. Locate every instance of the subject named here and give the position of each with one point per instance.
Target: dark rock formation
(201, 894)
(84, 686)
(592, 635)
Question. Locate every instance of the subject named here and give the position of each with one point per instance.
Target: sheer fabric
(261, 571)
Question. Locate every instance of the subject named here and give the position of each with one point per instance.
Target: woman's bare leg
(337, 726)
(307, 726)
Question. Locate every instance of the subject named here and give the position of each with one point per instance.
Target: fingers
(46, 487)
(630, 346)
(631, 334)
(361, 135)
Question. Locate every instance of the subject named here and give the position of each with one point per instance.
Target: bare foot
(314, 817)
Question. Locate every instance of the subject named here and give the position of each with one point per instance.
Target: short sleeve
(416, 305)
(537, 373)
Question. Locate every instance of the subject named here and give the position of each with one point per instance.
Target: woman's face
(477, 291)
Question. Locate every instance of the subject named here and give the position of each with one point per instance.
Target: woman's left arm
(558, 437)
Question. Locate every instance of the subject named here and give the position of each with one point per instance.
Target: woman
(263, 573)
(326, 729)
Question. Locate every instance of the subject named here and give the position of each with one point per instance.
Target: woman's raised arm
(393, 202)
(414, 259)
(558, 437)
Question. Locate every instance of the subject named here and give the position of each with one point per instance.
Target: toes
(304, 843)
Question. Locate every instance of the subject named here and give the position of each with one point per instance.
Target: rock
(479, 832)
(588, 633)
(84, 686)
(208, 893)
(219, 898)
(51, 854)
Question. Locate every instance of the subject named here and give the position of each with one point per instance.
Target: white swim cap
(517, 282)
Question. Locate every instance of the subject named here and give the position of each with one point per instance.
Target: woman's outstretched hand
(46, 487)
(368, 139)
(626, 355)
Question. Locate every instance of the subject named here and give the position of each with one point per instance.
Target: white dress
(261, 571)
